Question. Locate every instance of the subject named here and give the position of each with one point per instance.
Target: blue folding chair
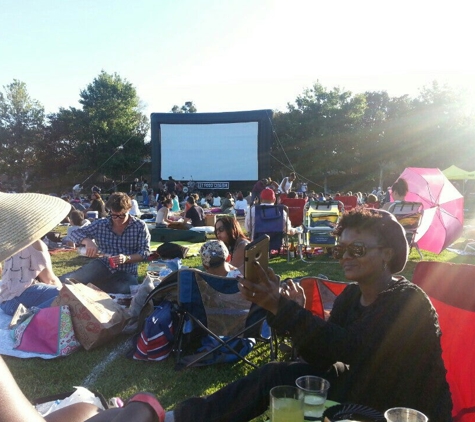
(214, 305)
(272, 221)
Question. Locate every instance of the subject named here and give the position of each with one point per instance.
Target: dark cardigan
(392, 348)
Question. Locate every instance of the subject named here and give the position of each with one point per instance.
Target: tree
(21, 131)
(107, 134)
(188, 107)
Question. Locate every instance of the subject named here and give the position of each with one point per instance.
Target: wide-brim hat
(27, 217)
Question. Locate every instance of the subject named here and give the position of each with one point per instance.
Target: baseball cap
(268, 195)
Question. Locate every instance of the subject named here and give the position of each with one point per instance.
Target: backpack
(155, 342)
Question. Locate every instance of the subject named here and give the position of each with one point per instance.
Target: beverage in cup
(286, 404)
(315, 391)
(404, 414)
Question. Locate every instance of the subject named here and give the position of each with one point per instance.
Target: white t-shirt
(240, 205)
(135, 210)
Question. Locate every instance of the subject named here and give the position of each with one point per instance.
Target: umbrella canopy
(442, 222)
(456, 173)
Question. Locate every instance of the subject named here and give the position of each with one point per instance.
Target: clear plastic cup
(286, 404)
(315, 390)
(404, 414)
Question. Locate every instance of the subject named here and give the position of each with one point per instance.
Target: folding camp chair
(320, 294)
(214, 305)
(295, 206)
(450, 288)
(319, 221)
(348, 201)
(409, 214)
(271, 220)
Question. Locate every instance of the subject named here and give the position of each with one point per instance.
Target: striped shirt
(134, 240)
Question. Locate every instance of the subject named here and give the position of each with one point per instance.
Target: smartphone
(257, 250)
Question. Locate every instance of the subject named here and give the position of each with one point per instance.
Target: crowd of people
(377, 314)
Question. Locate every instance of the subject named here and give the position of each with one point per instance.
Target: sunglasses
(116, 216)
(355, 250)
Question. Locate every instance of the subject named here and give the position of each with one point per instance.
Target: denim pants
(39, 295)
(248, 397)
(97, 273)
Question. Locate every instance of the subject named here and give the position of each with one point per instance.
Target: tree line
(328, 136)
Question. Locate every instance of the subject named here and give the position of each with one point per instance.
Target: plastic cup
(315, 391)
(404, 414)
(286, 404)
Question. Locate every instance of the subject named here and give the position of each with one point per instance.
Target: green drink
(286, 404)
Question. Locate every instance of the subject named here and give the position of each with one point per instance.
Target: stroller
(319, 221)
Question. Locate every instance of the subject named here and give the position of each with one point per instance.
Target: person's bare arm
(14, 407)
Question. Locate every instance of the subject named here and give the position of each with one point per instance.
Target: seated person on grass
(377, 314)
(77, 221)
(28, 277)
(227, 207)
(162, 221)
(43, 214)
(194, 216)
(267, 199)
(228, 230)
(123, 241)
(214, 255)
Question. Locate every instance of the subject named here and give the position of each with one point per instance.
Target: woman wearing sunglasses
(123, 240)
(380, 346)
(229, 231)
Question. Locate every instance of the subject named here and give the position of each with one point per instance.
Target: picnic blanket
(6, 341)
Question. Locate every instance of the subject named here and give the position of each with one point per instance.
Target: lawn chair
(320, 294)
(450, 289)
(295, 206)
(271, 220)
(348, 201)
(214, 306)
(319, 221)
(409, 214)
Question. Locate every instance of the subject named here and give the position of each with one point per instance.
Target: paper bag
(96, 317)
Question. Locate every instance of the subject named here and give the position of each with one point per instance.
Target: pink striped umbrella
(442, 222)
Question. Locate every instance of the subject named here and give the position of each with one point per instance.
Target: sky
(233, 55)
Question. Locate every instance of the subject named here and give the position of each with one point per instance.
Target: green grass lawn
(123, 377)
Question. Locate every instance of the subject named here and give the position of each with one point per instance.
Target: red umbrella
(442, 222)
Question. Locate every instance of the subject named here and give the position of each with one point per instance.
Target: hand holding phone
(258, 250)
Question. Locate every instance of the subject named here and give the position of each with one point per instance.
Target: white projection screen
(224, 151)
(211, 147)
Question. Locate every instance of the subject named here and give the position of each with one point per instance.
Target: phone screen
(258, 250)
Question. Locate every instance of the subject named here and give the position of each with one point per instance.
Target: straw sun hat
(27, 217)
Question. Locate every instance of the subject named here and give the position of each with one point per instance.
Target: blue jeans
(97, 273)
(39, 295)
